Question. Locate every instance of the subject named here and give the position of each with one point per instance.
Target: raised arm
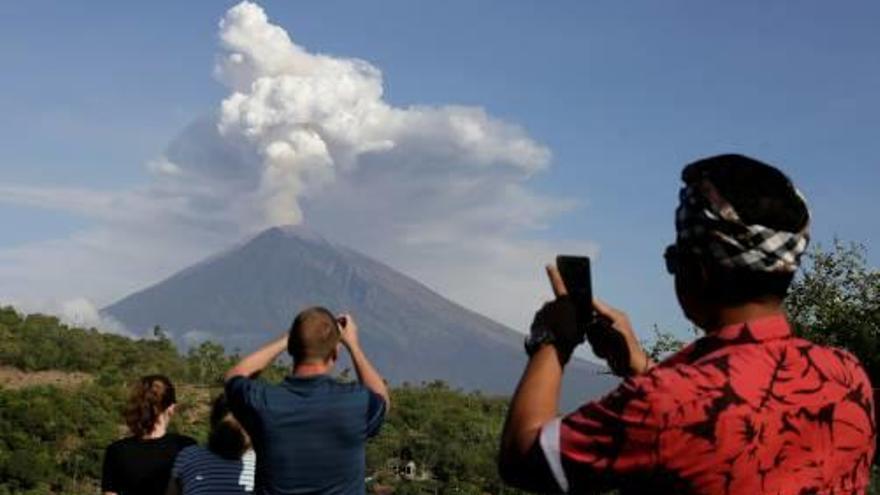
(259, 359)
(534, 403)
(523, 461)
(366, 373)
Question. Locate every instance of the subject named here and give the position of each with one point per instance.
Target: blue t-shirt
(308, 432)
(201, 471)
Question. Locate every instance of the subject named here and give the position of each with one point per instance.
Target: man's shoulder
(682, 379)
(193, 450)
(242, 380)
(741, 372)
(190, 454)
(243, 390)
(335, 389)
(830, 360)
(326, 384)
(341, 386)
(669, 387)
(839, 354)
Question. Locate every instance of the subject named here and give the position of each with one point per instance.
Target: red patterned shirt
(749, 409)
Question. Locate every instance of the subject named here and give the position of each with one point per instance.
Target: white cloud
(78, 312)
(312, 117)
(163, 167)
(441, 192)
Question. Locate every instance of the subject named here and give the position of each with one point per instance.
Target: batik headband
(708, 225)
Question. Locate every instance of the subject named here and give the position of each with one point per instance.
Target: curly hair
(150, 397)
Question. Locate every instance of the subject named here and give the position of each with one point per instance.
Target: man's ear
(691, 286)
(171, 410)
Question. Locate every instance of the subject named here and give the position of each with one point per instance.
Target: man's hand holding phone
(348, 331)
(623, 352)
(608, 330)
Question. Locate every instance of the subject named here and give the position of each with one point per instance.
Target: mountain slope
(250, 294)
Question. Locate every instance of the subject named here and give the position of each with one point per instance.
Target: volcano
(247, 295)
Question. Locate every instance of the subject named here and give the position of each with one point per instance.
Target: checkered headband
(707, 224)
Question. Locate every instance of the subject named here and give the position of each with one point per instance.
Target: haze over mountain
(247, 295)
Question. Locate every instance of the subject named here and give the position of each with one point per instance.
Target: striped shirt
(201, 471)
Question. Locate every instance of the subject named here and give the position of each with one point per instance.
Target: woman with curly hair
(141, 464)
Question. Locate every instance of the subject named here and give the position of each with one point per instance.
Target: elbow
(506, 470)
(387, 398)
(509, 460)
(233, 372)
(520, 464)
(525, 476)
(510, 470)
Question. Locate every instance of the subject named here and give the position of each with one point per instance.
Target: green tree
(207, 363)
(663, 344)
(836, 301)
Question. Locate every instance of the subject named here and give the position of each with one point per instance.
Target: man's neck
(311, 369)
(734, 315)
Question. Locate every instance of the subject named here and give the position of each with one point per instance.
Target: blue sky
(621, 93)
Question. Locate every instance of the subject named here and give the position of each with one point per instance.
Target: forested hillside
(52, 435)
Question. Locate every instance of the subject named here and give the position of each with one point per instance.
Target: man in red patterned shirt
(747, 409)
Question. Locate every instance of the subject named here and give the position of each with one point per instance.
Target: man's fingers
(603, 308)
(556, 281)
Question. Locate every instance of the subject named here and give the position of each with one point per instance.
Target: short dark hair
(150, 397)
(760, 194)
(227, 438)
(313, 335)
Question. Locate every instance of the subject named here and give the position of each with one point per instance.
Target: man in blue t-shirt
(309, 431)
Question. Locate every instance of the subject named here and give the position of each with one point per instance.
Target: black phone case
(575, 272)
(607, 343)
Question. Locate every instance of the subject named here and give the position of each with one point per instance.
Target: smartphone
(575, 272)
(607, 343)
